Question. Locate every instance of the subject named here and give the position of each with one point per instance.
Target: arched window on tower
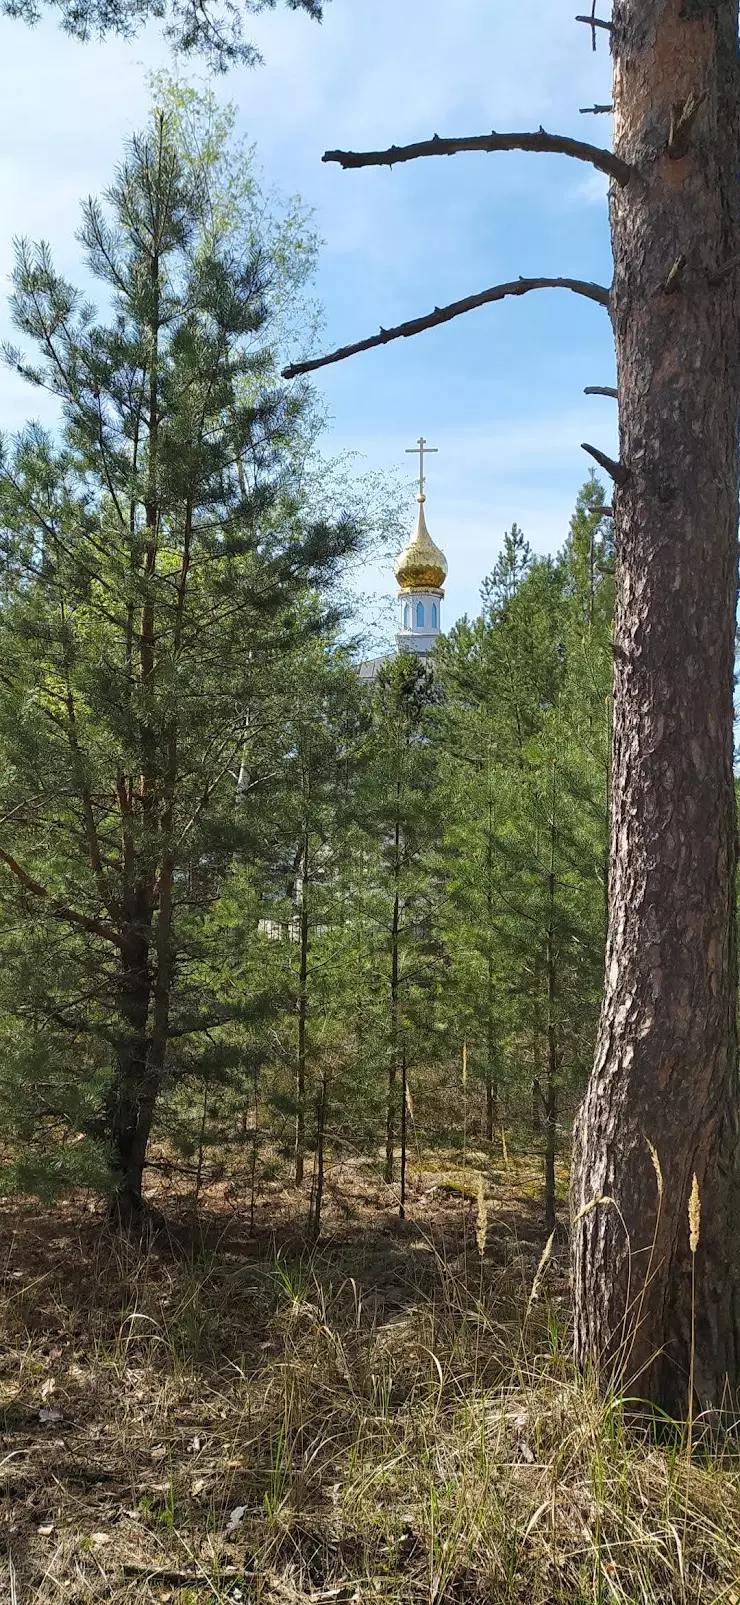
(420, 615)
(434, 615)
(406, 616)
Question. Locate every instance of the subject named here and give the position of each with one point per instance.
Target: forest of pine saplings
(259, 917)
(369, 1164)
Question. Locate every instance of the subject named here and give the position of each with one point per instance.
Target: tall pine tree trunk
(666, 1062)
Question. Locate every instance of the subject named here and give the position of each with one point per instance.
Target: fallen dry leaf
(236, 1518)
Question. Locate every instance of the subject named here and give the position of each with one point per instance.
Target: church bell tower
(421, 571)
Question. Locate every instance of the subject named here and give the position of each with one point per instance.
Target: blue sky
(500, 392)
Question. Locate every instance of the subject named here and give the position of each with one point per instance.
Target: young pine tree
(153, 556)
(400, 804)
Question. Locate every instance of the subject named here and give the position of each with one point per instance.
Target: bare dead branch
(403, 331)
(60, 911)
(596, 22)
(540, 142)
(604, 512)
(674, 277)
(617, 471)
(592, 20)
(593, 23)
(596, 111)
(601, 390)
(682, 123)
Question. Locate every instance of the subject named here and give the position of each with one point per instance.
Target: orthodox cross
(421, 450)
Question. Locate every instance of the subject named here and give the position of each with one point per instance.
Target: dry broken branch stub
(596, 111)
(596, 22)
(440, 315)
(601, 390)
(540, 143)
(675, 275)
(616, 471)
(682, 123)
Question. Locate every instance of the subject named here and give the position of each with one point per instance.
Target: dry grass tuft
(481, 1216)
(375, 1419)
(694, 1216)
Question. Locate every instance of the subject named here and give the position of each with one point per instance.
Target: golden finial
(421, 566)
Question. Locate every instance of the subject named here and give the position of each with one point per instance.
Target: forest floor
(383, 1416)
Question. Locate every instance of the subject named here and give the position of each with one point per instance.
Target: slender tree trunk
(536, 1104)
(136, 1086)
(551, 1100)
(607, 816)
(321, 1109)
(253, 1155)
(300, 1082)
(666, 1062)
(404, 1118)
(390, 1123)
(491, 1077)
(202, 1138)
(131, 1099)
(538, 1035)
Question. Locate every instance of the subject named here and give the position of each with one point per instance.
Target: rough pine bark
(666, 1063)
(132, 1096)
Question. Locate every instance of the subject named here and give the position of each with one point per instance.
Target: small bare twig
(596, 111)
(617, 471)
(176, 1579)
(593, 26)
(593, 22)
(403, 331)
(682, 123)
(601, 390)
(540, 143)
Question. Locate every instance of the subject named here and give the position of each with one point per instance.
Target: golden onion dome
(421, 566)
